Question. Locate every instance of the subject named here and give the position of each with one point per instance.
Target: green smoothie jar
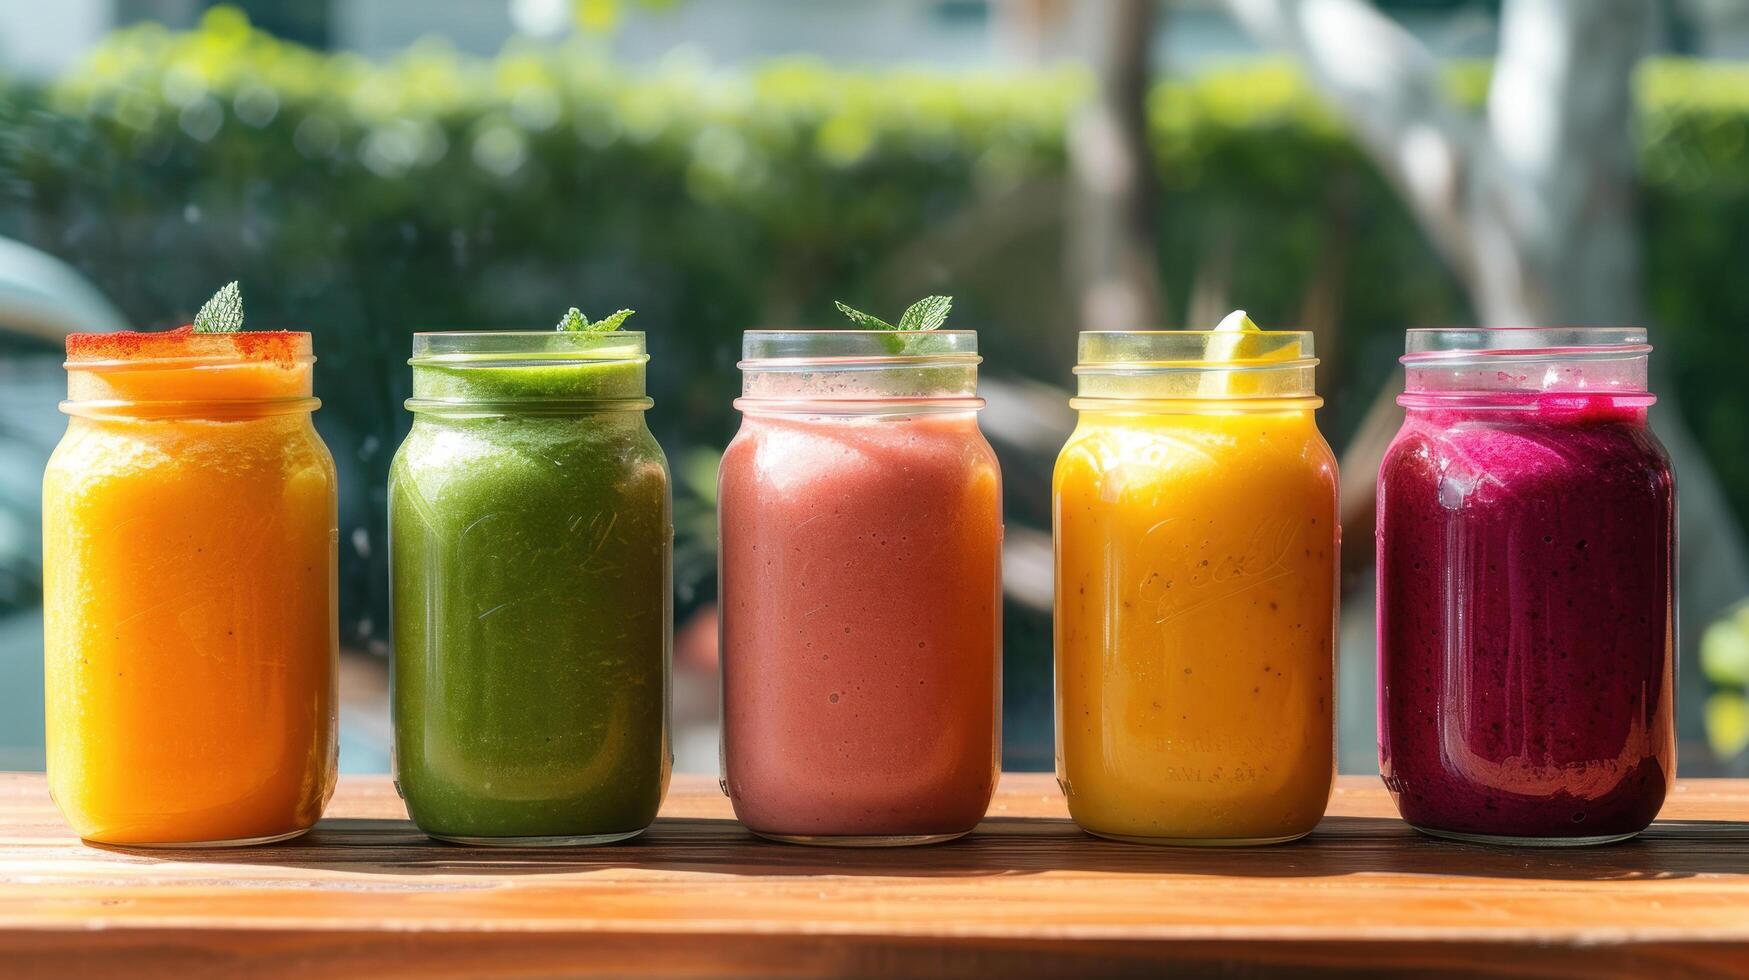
(531, 545)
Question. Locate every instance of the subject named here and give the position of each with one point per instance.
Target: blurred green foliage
(1724, 657)
(365, 200)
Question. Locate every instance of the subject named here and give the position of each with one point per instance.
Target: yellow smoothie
(1196, 564)
(189, 595)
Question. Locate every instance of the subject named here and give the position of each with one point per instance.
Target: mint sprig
(575, 322)
(223, 313)
(863, 320)
(928, 313)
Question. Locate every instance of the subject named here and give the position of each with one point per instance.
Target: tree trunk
(1532, 204)
(1115, 270)
(1553, 238)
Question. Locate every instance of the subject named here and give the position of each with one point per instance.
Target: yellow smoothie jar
(1195, 514)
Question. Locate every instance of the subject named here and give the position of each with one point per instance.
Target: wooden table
(1026, 895)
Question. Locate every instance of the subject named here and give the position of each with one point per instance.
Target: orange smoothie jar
(1195, 511)
(189, 560)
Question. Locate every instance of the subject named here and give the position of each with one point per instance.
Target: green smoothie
(531, 539)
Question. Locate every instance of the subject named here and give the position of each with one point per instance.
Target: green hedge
(365, 200)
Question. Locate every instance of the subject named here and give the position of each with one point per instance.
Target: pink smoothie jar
(1526, 580)
(860, 522)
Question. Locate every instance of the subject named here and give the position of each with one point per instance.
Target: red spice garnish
(279, 346)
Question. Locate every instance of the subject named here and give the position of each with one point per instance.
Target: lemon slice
(1238, 341)
(1222, 348)
(1237, 322)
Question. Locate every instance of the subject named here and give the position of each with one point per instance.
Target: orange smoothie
(1196, 556)
(189, 533)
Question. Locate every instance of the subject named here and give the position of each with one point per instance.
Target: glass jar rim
(1456, 345)
(1512, 368)
(1151, 351)
(805, 349)
(459, 348)
(476, 373)
(211, 409)
(1150, 369)
(182, 374)
(1189, 332)
(859, 372)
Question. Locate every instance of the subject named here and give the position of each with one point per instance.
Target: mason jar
(531, 542)
(1197, 548)
(1526, 589)
(861, 542)
(189, 584)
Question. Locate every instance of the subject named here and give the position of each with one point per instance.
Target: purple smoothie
(1526, 618)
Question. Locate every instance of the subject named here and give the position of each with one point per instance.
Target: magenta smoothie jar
(1526, 579)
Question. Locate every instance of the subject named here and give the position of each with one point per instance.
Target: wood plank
(1028, 894)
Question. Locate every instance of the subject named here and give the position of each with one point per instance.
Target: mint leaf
(610, 322)
(862, 319)
(573, 321)
(928, 313)
(223, 313)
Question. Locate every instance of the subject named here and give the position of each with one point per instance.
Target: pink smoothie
(861, 624)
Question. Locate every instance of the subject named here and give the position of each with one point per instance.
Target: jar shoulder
(93, 451)
(1168, 446)
(1526, 456)
(877, 447)
(435, 440)
(550, 456)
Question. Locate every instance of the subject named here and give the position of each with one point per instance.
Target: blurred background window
(367, 168)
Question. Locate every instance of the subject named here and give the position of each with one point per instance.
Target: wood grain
(1026, 895)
